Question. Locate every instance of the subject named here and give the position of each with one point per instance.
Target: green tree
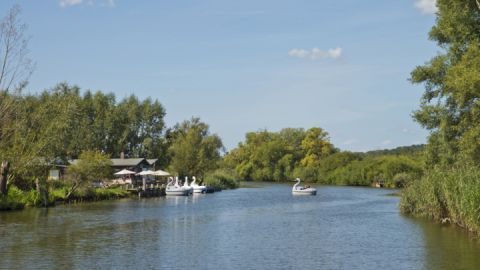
(15, 70)
(450, 106)
(193, 150)
(91, 166)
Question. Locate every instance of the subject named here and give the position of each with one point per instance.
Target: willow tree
(15, 69)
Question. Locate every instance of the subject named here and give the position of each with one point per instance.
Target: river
(247, 228)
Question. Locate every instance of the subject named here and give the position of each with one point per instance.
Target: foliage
(15, 199)
(36, 131)
(290, 153)
(450, 109)
(193, 150)
(92, 166)
(88, 194)
(222, 178)
(450, 105)
(277, 156)
(416, 150)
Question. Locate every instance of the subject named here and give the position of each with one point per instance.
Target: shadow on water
(448, 247)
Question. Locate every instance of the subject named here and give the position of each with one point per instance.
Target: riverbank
(57, 194)
(18, 199)
(446, 195)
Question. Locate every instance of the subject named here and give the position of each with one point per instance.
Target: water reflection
(448, 247)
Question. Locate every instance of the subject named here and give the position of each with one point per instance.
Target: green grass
(19, 199)
(89, 194)
(446, 194)
(15, 199)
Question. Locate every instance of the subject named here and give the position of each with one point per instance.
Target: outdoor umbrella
(145, 173)
(124, 172)
(161, 173)
(148, 172)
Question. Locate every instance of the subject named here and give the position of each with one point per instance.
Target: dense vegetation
(61, 124)
(291, 153)
(40, 130)
(450, 109)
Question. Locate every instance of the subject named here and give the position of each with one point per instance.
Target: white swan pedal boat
(197, 188)
(176, 189)
(301, 190)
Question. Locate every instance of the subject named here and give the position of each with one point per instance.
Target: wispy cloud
(103, 3)
(386, 142)
(316, 53)
(349, 142)
(426, 6)
(67, 3)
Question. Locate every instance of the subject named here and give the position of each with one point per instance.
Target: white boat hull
(177, 192)
(308, 191)
(199, 189)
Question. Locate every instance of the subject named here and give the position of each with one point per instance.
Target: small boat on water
(176, 189)
(303, 190)
(197, 188)
(186, 186)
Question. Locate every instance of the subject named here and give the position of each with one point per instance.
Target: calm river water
(248, 228)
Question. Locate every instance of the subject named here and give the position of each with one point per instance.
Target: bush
(15, 199)
(88, 194)
(222, 178)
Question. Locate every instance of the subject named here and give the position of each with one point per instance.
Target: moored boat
(197, 188)
(176, 189)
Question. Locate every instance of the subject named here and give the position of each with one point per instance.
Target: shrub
(222, 178)
(14, 200)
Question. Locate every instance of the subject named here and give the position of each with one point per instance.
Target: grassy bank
(446, 195)
(18, 199)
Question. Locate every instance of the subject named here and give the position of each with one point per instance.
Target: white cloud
(349, 142)
(386, 142)
(316, 53)
(104, 3)
(109, 3)
(426, 6)
(300, 53)
(405, 130)
(66, 3)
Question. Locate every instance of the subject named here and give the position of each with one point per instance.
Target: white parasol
(161, 173)
(148, 172)
(124, 172)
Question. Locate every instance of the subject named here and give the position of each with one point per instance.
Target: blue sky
(246, 65)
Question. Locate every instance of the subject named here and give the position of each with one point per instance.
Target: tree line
(62, 123)
(309, 154)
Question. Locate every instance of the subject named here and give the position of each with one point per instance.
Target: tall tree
(15, 69)
(450, 106)
(193, 149)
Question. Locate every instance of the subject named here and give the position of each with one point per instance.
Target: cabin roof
(152, 161)
(118, 162)
(121, 162)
